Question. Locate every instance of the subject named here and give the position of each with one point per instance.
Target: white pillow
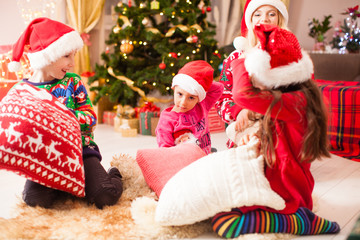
(236, 136)
(217, 183)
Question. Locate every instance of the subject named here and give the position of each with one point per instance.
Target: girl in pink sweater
(195, 93)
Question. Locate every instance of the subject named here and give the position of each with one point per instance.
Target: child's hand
(246, 138)
(242, 120)
(184, 138)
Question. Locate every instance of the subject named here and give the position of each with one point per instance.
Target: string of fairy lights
(127, 46)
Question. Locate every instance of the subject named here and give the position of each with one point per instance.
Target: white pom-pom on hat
(14, 66)
(257, 61)
(241, 43)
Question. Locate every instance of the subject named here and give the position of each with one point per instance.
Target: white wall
(300, 11)
(12, 24)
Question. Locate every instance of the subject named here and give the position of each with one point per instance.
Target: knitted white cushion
(217, 183)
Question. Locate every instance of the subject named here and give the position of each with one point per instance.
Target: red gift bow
(149, 107)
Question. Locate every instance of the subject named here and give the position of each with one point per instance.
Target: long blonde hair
(315, 143)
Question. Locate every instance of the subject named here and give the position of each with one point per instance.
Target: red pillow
(160, 164)
(40, 139)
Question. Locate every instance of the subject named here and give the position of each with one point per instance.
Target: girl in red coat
(274, 82)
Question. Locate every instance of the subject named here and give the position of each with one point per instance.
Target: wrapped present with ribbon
(126, 117)
(148, 111)
(108, 117)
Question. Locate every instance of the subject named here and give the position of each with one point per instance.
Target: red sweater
(289, 177)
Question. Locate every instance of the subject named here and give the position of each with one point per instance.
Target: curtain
(226, 15)
(83, 15)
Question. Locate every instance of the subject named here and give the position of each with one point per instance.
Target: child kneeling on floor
(274, 82)
(53, 46)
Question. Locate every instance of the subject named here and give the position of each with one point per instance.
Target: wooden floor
(336, 193)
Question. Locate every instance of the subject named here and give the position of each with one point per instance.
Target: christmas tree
(347, 36)
(149, 43)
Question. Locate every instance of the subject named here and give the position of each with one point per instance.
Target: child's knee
(108, 196)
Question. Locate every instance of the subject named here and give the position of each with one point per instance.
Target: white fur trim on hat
(62, 46)
(257, 63)
(190, 85)
(255, 4)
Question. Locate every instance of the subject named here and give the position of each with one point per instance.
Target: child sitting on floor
(53, 46)
(274, 81)
(195, 93)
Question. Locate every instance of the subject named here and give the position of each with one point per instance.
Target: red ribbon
(86, 38)
(88, 74)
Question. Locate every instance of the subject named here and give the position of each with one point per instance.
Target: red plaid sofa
(342, 99)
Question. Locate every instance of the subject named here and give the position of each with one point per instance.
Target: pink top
(195, 120)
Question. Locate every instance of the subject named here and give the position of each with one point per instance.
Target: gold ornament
(126, 48)
(155, 5)
(189, 39)
(116, 29)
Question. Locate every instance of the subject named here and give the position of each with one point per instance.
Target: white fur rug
(131, 218)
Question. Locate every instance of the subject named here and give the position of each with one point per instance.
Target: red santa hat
(279, 61)
(48, 40)
(195, 77)
(240, 43)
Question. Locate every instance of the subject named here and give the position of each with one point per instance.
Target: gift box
(154, 123)
(342, 101)
(148, 111)
(129, 132)
(108, 117)
(132, 123)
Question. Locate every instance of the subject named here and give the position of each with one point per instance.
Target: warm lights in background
(31, 9)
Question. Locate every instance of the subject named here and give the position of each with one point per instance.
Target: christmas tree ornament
(203, 10)
(162, 66)
(145, 21)
(173, 55)
(155, 5)
(195, 38)
(189, 39)
(120, 4)
(107, 50)
(116, 29)
(208, 9)
(126, 48)
(129, 3)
